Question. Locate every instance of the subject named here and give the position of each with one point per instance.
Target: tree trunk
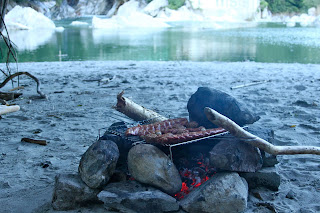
(3, 7)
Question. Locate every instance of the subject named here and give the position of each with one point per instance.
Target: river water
(185, 41)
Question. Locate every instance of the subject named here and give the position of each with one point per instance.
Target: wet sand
(80, 100)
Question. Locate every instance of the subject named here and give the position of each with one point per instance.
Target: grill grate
(119, 130)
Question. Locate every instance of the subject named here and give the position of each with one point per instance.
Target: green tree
(176, 4)
(263, 4)
(289, 6)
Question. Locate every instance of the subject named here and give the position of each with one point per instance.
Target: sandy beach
(80, 100)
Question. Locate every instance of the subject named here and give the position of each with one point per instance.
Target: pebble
(291, 195)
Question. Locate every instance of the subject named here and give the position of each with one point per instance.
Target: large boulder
(26, 18)
(235, 155)
(98, 163)
(268, 135)
(155, 6)
(132, 20)
(131, 196)
(223, 193)
(71, 192)
(222, 103)
(148, 164)
(266, 177)
(129, 15)
(116, 133)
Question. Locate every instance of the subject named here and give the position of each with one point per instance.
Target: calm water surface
(185, 41)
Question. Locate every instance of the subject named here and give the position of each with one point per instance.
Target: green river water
(185, 41)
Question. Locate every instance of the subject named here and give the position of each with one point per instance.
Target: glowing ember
(194, 177)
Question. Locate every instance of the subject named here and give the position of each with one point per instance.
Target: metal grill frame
(134, 143)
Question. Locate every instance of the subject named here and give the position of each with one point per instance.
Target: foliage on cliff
(176, 4)
(263, 4)
(173, 4)
(291, 6)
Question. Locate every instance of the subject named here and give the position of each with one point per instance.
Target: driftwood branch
(237, 131)
(136, 111)
(9, 95)
(249, 84)
(24, 73)
(29, 140)
(7, 109)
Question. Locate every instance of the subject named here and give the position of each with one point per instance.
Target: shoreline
(78, 106)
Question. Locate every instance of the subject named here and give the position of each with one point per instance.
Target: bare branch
(237, 131)
(24, 73)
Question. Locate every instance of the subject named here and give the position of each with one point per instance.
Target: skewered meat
(170, 138)
(162, 126)
(172, 131)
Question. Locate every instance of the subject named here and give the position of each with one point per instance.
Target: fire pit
(162, 166)
(195, 170)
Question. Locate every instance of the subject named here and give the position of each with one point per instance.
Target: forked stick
(42, 95)
(226, 123)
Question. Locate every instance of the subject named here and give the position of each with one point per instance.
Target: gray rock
(98, 163)
(4, 185)
(266, 177)
(300, 87)
(291, 194)
(268, 135)
(96, 7)
(235, 155)
(148, 164)
(222, 103)
(224, 192)
(63, 10)
(116, 133)
(131, 196)
(268, 159)
(303, 103)
(71, 192)
(155, 6)
(73, 8)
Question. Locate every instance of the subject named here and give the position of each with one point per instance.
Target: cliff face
(73, 8)
(213, 9)
(69, 8)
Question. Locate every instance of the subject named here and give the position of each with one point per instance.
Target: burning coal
(196, 171)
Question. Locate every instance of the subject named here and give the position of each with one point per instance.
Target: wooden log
(136, 111)
(9, 95)
(16, 88)
(7, 109)
(237, 131)
(29, 140)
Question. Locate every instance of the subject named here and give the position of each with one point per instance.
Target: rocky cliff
(216, 10)
(69, 8)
